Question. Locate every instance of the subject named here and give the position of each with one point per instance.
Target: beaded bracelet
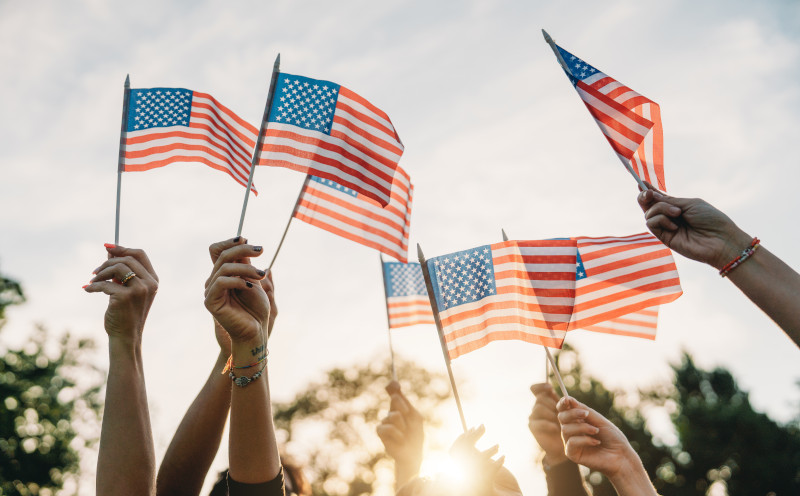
(746, 253)
(229, 364)
(243, 381)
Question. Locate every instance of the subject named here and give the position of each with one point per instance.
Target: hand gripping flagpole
(388, 320)
(289, 223)
(434, 307)
(566, 68)
(122, 136)
(276, 69)
(550, 359)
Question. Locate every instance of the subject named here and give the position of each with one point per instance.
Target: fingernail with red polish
(109, 245)
(84, 286)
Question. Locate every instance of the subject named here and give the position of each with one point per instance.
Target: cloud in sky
(494, 136)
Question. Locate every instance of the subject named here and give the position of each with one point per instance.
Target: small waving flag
(630, 121)
(168, 125)
(520, 290)
(326, 130)
(347, 213)
(536, 291)
(407, 300)
(618, 276)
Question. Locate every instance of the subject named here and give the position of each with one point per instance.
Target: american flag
(630, 121)
(618, 276)
(324, 129)
(641, 324)
(342, 211)
(520, 290)
(167, 125)
(407, 301)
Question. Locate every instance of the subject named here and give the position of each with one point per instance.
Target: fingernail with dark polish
(261, 273)
(249, 284)
(236, 239)
(257, 248)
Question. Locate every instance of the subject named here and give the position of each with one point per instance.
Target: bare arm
(126, 459)
(697, 230)
(240, 303)
(196, 442)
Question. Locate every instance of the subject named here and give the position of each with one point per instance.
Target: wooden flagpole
(434, 307)
(286, 229)
(276, 69)
(548, 355)
(388, 326)
(122, 132)
(566, 68)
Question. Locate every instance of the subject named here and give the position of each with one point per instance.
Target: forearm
(126, 459)
(773, 286)
(197, 438)
(253, 450)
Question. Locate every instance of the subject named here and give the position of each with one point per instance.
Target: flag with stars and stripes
(619, 276)
(407, 300)
(168, 125)
(349, 214)
(521, 290)
(536, 291)
(641, 324)
(630, 121)
(326, 130)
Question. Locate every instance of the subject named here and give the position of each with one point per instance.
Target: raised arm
(697, 230)
(562, 474)
(402, 435)
(126, 459)
(197, 439)
(240, 304)
(592, 440)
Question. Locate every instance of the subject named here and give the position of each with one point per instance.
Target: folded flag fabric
(347, 213)
(520, 290)
(630, 121)
(617, 276)
(326, 130)
(536, 291)
(641, 324)
(168, 125)
(406, 297)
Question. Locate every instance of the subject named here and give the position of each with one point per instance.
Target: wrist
(551, 460)
(248, 351)
(630, 476)
(732, 246)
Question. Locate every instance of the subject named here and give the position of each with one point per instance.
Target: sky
(494, 138)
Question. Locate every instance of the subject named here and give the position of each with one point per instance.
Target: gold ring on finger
(127, 277)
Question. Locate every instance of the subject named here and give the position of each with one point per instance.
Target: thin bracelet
(243, 381)
(746, 253)
(229, 364)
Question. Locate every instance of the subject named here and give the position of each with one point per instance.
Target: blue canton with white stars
(335, 185)
(579, 68)
(580, 270)
(158, 107)
(463, 277)
(404, 279)
(304, 102)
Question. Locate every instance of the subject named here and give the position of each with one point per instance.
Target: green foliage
(721, 438)
(10, 294)
(46, 399)
(345, 454)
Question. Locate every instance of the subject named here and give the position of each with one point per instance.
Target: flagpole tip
(419, 253)
(505, 236)
(547, 37)
(277, 62)
(127, 80)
